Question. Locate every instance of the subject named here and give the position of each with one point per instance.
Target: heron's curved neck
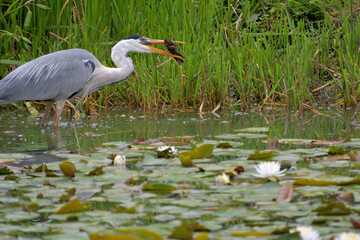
(120, 58)
(103, 76)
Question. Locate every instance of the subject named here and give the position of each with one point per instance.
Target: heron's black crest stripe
(91, 64)
(134, 37)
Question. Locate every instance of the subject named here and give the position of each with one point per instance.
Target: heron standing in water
(62, 75)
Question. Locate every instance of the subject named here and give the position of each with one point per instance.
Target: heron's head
(141, 44)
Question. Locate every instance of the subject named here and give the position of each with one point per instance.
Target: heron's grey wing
(52, 77)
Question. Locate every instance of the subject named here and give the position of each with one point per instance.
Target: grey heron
(59, 76)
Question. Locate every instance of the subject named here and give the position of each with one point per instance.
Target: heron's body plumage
(51, 77)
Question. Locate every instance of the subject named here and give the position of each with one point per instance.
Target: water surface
(20, 132)
(128, 196)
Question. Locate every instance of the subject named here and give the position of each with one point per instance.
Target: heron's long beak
(153, 42)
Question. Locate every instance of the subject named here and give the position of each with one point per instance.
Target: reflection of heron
(62, 75)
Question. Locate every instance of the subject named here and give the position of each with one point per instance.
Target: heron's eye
(141, 39)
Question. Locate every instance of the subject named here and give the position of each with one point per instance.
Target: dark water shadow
(36, 159)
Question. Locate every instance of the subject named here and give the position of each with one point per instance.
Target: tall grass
(237, 52)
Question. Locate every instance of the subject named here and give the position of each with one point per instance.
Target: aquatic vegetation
(348, 236)
(119, 160)
(166, 151)
(307, 233)
(222, 179)
(88, 195)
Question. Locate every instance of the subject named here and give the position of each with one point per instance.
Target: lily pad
(186, 160)
(72, 206)
(261, 155)
(337, 150)
(101, 236)
(241, 135)
(224, 145)
(141, 234)
(185, 231)
(158, 187)
(253, 129)
(5, 170)
(203, 151)
(96, 172)
(333, 208)
(312, 182)
(68, 168)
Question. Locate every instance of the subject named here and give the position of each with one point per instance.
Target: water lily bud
(222, 179)
(119, 160)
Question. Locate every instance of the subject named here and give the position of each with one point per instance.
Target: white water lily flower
(162, 148)
(119, 160)
(173, 150)
(306, 233)
(348, 236)
(269, 169)
(222, 179)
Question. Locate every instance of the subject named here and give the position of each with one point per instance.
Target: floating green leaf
(253, 129)
(96, 172)
(158, 187)
(289, 236)
(185, 159)
(202, 236)
(68, 168)
(165, 152)
(32, 206)
(333, 208)
(337, 150)
(42, 168)
(72, 206)
(224, 145)
(5, 170)
(203, 151)
(66, 197)
(312, 182)
(246, 234)
(184, 231)
(241, 135)
(101, 236)
(119, 209)
(143, 234)
(135, 180)
(47, 183)
(51, 174)
(11, 177)
(261, 155)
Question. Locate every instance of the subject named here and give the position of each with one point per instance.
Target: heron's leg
(46, 112)
(59, 107)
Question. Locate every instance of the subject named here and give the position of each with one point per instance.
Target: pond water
(20, 132)
(82, 193)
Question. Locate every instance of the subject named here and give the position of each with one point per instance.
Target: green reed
(237, 52)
